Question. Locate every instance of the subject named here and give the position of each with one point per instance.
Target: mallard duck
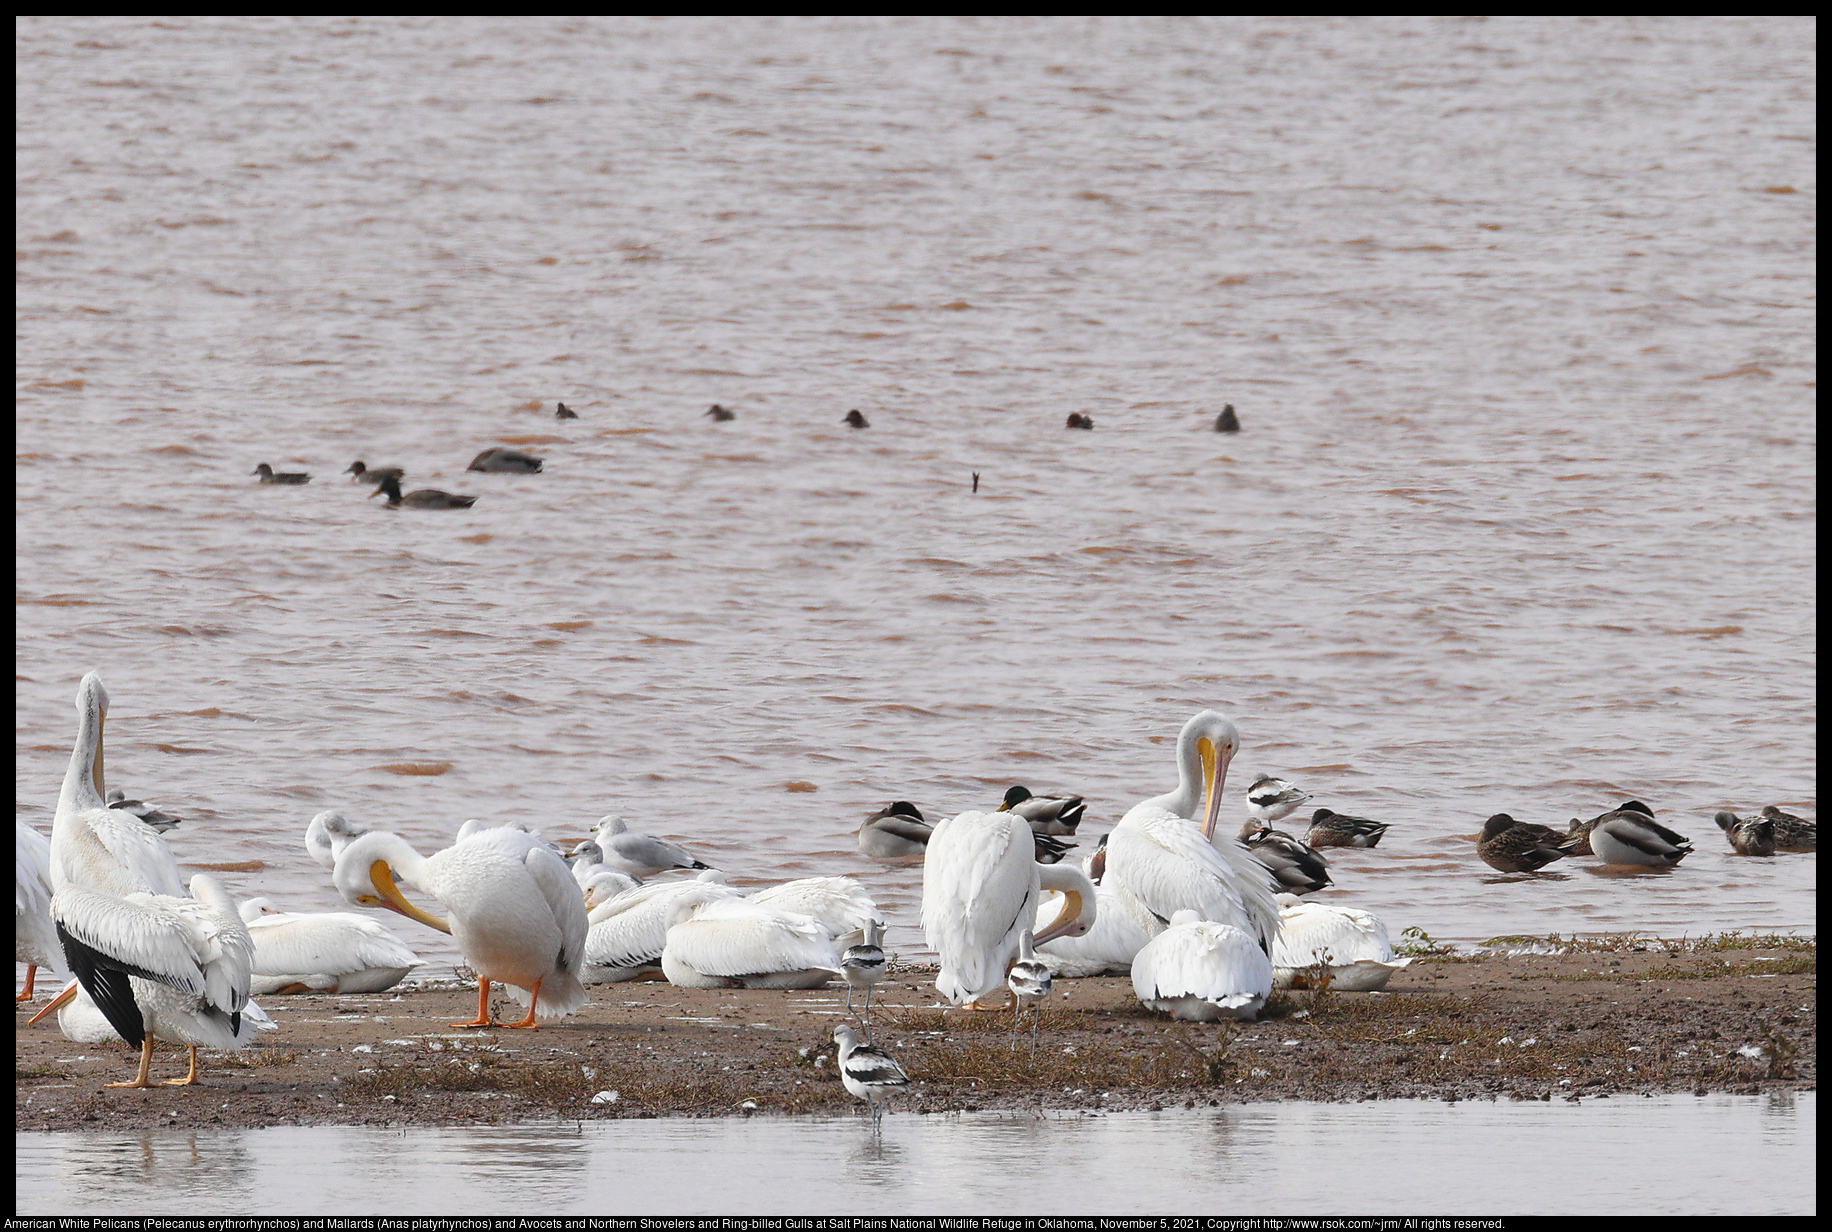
(360, 473)
(1271, 799)
(1046, 814)
(499, 459)
(269, 475)
(1329, 829)
(420, 498)
(1518, 846)
(1755, 837)
(1227, 421)
(855, 420)
(719, 414)
(1351, 945)
(895, 834)
(1294, 865)
(1078, 420)
(1792, 833)
(117, 799)
(562, 411)
(1631, 837)
(1577, 838)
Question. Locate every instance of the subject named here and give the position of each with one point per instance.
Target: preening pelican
(733, 941)
(1350, 947)
(34, 935)
(896, 834)
(327, 834)
(1200, 971)
(839, 903)
(328, 951)
(516, 913)
(93, 847)
(640, 855)
(1166, 861)
(629, 933)
(1122, 926)
(178, 969)
(980, 886)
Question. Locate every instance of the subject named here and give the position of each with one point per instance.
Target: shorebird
(1329, 829)
(864, 965)
(869, 1073)
(1029, 981)
(269, 475)
(1271, 799)
(117, 799)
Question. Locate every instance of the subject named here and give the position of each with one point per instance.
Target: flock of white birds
(1192, 913)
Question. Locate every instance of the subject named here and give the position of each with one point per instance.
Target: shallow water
(1518, 317)
(1716, 1155)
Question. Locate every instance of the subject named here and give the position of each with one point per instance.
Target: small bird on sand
(870, 1073)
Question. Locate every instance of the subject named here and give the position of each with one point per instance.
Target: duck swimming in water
(1519, 846)
(719, 414)
(421, 498)
(1792, 833)
(506, 460)
(1754, 837)
(269, 475)
(562, 411)
(359, 473)
(1329, 829)
(1632, 837)
(855, 420)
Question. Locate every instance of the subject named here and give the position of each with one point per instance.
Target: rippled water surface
(1517, 317)
(1718, 1155)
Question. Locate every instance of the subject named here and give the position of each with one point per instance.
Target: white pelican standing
(516, 913)
(980, 887)
(323, 951)
(733, 941)
(629, 932)
(1168, 862)
(1200, 971)
(841, 904)
(34, 935)
(1350, 946)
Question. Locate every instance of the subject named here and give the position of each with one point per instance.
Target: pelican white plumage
(516, 913)
(1201, 971)
(1168, 862)
(980, 887)
(81, 1022)
(327, 834)
(1350, 946)
(1122, 926)
(325, 951)
(177, 969)
(841, 904)
(640, 855)
(628, 933)
(733, 941)
(34, 935)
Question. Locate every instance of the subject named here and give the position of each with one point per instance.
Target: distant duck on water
(512, 461)
(1752, 837)
(1226, 421)
(362, 474)
(1078, 420)
(855, 420)
(562, 411)
(421, 498)
(269, 475)
(719, 414)
(1328, 829)
(1792, 833)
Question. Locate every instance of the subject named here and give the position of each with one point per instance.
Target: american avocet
(1271, 799)
(1029, 981)
(868, 1072)
(864, 965)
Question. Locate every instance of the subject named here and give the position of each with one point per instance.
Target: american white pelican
(1352, 945)
(1518, 846)
(1296, 868)
(895, 834)
(34, 935)
(1200, 971)
(1792, 833)
(177, 969)
(516, 913)
(1046, 814)
(606, 884)
(640, 855)
(1329, 829)
(864, 964)
(1629, 837)
(629, 932)
(1271, 799)
(327, 834)
(1754, 836)
(328, 951)
(841, 905)
(733, 941)
(1576, 840)
(94, 847)
(980, 886)
(1122, 926)
(117, 799)
(1167, 861)
(869, 1073)
(82, 1023)
(1029, 981)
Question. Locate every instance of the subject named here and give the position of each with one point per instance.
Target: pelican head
(1205, 746)
(364, 875)
(92, 714)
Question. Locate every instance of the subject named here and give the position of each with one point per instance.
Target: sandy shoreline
(1522, 1026)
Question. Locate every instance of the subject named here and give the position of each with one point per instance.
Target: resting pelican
(629, 933)
(93, 847)
(606, 884)
(34, 935)
(733, 941)
(517, 915)
(328, 951)
(1200, 971)
(1351, 945)
(980, 886)
(1165, 860)
(895, 834)
(640, 855)
(1122, 926)
(158, 966)
(327, 834)
(839, 903)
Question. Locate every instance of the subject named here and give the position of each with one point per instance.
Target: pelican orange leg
(483, 1006)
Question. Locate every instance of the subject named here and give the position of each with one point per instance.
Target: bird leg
(867, 1012)
(189, 1079)
(146, 1065)
(848, 997)
(534, 994)
(30, 971)
(483, 1006)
